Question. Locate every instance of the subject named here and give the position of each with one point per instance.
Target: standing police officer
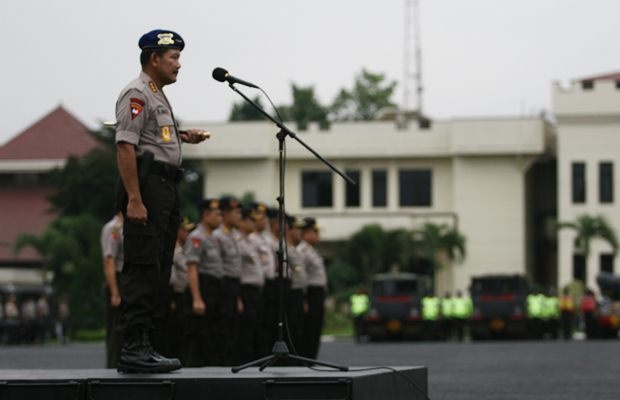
(148, 145)
(317, 283)
(112, 252)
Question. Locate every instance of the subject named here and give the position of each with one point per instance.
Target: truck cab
(395, 306)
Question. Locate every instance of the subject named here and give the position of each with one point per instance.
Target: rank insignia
(165, 134)
(136, 106)
(153, 87)
(196, 242)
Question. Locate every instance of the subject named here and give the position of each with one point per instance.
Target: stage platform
(276, 383)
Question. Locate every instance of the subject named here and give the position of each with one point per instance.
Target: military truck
(500, 306)
(395, 306)
(608, 314)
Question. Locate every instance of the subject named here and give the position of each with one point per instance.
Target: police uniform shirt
(297, 271)
(314, 263)
(203, 249)
(265, 253)
(112, 242)
(231, 257)
(178, 275)
(144, 118)
(251, 269)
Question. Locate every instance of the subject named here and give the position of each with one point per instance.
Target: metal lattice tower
(412, 68)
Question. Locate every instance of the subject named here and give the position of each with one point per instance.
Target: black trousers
(206, 337)
(566, 318)
(268, 313)
(174, 325)
(113, 338)
(252, 298)
(313, 321)
(230, 322)
(149, 251)
(295, 320)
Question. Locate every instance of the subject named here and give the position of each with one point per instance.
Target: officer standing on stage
(206, 338)
(228, 237)
(112, 252)
(148, 144)
(316, 286)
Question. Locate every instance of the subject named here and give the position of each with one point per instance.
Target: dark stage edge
(275, 383)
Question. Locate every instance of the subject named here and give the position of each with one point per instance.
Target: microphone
(221, 75)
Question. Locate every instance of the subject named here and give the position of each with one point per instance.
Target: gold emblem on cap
(214, 205)
(165, 39)
(165, 134)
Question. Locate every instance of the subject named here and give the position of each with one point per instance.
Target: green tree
(244, 111)
(71, 252)
(369, 94)
(306, 108)
(440, 244)
(587, 228)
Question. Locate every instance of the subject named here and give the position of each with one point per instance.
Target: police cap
(208, 205)
(310, 223)
(161, 39)
(228, 203)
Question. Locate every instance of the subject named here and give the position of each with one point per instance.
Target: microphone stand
(280, 349)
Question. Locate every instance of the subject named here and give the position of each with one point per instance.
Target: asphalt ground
(457, 371)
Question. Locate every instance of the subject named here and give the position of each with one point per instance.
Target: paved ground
(494, 370)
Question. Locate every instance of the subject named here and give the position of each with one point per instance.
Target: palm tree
(441, 245)
(588, 228)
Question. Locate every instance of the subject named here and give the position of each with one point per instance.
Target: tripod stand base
(280, 352)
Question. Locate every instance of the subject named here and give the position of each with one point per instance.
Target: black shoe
(137, 356)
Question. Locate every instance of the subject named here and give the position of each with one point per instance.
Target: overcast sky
(480, 57)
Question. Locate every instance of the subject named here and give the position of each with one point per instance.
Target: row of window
(606, 264)
(414, 188)
(605, 182)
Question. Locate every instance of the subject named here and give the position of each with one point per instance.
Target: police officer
(462, 310)
(206, 337)
(447, 316)
(112, 252)
(263, 240)
(252, 282)
(535, 305)
(228, 238)
(431, 308)
(175, 316)
(148, 145)
(296, 304)
(316, 286)
(360, 304)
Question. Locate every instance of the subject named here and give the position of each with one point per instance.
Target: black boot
(137, 356)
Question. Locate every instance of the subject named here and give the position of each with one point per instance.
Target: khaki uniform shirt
(231, 256)
(204, 249)
(266, 254)
(144, 118)
(296, 269)
(178, 275)
(251, 270)
(314, 263)
(112, 242)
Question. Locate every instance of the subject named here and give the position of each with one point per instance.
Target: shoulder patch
(136, 106)
(196, 242)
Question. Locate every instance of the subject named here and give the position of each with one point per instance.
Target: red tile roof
(22, 211)
(614, 76)
(55, 136)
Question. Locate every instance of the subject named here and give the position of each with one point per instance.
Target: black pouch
(141, 243)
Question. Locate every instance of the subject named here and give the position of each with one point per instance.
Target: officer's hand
(194, 135)
(199, 307)
(136, 212)
(115, 300)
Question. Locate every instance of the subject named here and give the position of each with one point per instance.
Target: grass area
(88, 335)
(338, 324)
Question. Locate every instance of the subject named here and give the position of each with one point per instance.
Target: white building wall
(588, 131)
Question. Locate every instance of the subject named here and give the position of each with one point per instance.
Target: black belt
(167, 170)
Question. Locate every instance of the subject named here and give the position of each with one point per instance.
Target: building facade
(474, 174)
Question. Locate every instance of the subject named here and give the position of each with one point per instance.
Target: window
(415, 187)
(579, 182)
(579, 267)
(587, 85)
(607, 263)
(606, 182)
(316, 189)
(379, 188)
(352, 192)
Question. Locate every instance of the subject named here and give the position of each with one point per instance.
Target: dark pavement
(493, 370)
